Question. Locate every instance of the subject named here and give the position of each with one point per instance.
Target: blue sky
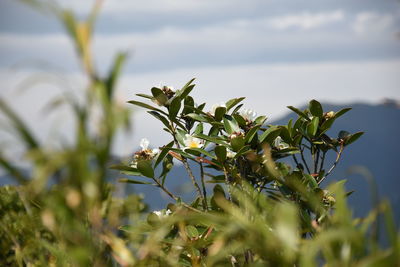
(274, 52)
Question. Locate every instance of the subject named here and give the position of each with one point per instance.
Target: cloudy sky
(274, 52)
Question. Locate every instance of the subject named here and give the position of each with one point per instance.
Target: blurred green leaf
(145, 168)
(299, 112)
(174, 107)
(233, 102)
(158, 96)
(316, 108)
(220, 151)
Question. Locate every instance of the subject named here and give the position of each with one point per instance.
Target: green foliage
(261, 211)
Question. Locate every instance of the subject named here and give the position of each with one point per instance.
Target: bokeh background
(275, 52)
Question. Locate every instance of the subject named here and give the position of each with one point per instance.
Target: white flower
(248, 114)
(278, 143)
(192, 142)
(215, 106)
(144, 154)
(230, 154)
(162, 213)
(144, 143)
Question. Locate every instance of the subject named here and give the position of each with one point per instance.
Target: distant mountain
(377, 150)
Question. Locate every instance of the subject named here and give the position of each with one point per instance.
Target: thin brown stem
(203, 185)
(339, 154)
(304, 160)
(316, 161)
(187, 168)
(228, 184)
(170, 194)
(296, 161)
(322, 161)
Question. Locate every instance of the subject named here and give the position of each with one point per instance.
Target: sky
(274, 52)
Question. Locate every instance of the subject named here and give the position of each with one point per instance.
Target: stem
(193, 179)
(203, 185)
(295, 160)
(187, 167)
(304, 160)
(334, 164)
(228, 184)
(322, 161)
(172, 195)
(316, 161)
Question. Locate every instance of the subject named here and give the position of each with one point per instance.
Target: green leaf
(352, 138)
(182, 153)
(159, 97)
(131, 181)
(326, 125)
(315, 108)
(240, 120)
(251, 133)
(199, 129)
(185, 91)
(237, 143)
(341, 112)
(233, 102)
(145, 168)
(163, 153)
(219, 113)
(343, 134)
(230, 124)
(220, 151)
(115, 72)
(299, 112)
(160, 117)
(145, 96)
(312, 127)
(188, 105)
(217, 179)
(269, 135)
(311, 181)
(174, 107)
(215, 140)
(197, 117)
(144, 105)
(191, 231)
(126, 170)
(200, 150)
(260, 120)
(242, 151)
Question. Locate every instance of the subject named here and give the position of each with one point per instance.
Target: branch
(334, 164)
(203, 185)
(187, 167)
(304, 160)
(173, 196)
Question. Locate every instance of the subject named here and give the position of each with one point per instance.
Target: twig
(295, 160)
(187, 167)
(170, 194)
(228, 184)
(316, 161)
(322, 161)
(334, 164)
(304, 160)
(203, 185)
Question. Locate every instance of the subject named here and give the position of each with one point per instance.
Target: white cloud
(306, 20)
(372, 23)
